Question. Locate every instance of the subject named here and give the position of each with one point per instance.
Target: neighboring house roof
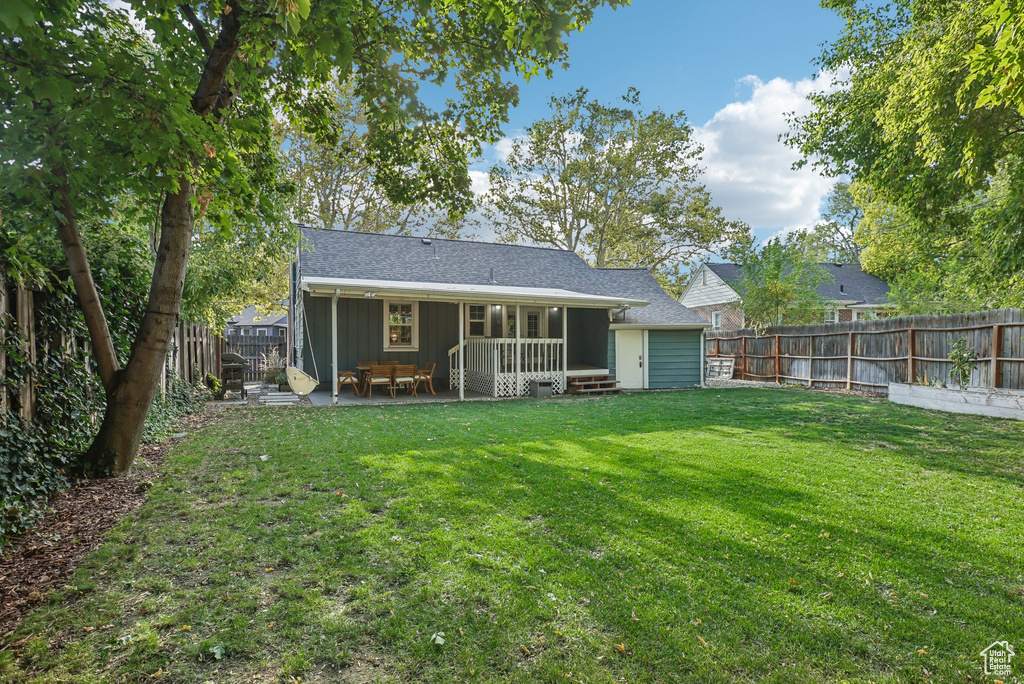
(857, 286)
(250, 317)
(440, 267)
(663, 310)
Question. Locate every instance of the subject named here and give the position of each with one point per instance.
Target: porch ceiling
(498, 294)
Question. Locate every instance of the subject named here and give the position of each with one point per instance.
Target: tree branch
(197, 26)
(85, 286)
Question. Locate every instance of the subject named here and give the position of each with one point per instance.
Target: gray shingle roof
(638, 283)
(348, 254)
(250, 317)
(857, 286)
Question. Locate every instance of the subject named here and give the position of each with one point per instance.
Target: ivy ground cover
(712, 535)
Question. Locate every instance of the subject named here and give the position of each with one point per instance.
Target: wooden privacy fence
(195, 350)
(253, 347)
(868, 355)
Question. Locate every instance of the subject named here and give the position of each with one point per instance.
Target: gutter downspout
(703, 352)
(334, 348)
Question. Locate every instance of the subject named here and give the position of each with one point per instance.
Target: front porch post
(334, 348)
(565, 350)
(519, 386)
(462, 358)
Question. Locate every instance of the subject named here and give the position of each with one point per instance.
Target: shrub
(964, 360)
(215, 386)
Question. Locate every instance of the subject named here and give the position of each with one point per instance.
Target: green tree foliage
(834, 238)
(173, 104)
(997, 60)
(779, 284)
(612, 183)
(924, 117)
(333, 178)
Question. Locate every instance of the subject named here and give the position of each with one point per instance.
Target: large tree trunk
(136, 385)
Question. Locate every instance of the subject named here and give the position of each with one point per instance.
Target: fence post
(26, 324)
(743, 353)
(718, 346)
(810, 364)
(910, 356)
(997, 345)
(849, 363)
(776, 359)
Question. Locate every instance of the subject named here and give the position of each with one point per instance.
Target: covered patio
(500, 339)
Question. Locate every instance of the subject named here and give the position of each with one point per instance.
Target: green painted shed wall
(673, 358)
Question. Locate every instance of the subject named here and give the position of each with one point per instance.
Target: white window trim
(715, 326)
(542, 321)
(415, 346)
(486, 321)
(832, 314)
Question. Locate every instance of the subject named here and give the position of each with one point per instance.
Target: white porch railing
(491, 365)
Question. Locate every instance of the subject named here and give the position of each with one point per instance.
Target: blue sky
(733, 67)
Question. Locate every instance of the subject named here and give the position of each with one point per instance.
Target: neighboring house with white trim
(491, 317)
(713, 293)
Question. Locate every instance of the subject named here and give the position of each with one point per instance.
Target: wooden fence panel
(868, 355)
(253, 347)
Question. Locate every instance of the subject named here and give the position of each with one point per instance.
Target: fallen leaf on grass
(525, 650)
(269, 570)
(701, 640)
(922, 651)
(185, 628)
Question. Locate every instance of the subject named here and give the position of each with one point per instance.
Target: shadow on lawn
(788, 591)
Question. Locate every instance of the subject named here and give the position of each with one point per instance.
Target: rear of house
(488, 318)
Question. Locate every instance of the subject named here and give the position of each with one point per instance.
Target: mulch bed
(41, 559)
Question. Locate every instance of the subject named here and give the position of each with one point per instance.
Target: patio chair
(348, 378)
(405, 376)
(426, 376)
(380, 375)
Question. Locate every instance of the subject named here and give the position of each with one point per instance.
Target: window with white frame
(831, 315)
(510, 321)
(476, 321)
(261, 331)
(716, 320)
(533, 324)
(401, 328)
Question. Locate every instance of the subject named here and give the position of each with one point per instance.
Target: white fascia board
(659, 326)
(354, 287)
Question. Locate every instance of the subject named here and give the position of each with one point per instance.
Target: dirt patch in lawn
(41, 559)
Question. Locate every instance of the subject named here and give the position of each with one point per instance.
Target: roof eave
(463, 292)
(659, 326)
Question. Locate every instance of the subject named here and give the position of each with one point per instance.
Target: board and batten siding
(361, 336)
(611, 354)
(717, 291)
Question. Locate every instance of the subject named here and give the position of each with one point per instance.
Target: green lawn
(751, 535)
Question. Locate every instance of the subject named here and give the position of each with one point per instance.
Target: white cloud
(480, 182)
(749, 170)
